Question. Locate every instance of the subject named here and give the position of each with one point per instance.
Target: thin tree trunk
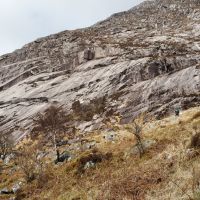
(56, 148)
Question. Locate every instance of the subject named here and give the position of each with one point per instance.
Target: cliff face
(146, 58)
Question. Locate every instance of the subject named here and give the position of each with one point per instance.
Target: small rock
(16, 187)
(111, 136)
(62, 143)
(65, 156)
(89, 164)
(89, 145)
(41, 155)
(191, 153)
(6, 191)
(8, 158)
(72, 141)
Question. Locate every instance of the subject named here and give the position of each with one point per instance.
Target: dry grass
(196, 115)
(127, 183)
(166, 171)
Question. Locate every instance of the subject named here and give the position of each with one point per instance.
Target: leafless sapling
(50, 125)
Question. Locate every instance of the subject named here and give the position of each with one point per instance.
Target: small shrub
(86, 112)
(29, 163)
(94, 157)
(195, 140)
(43, 178)
(20, 194)
(117, 95)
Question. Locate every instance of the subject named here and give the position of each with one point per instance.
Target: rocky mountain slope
(144, 59)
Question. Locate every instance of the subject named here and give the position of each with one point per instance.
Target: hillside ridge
(143, 59)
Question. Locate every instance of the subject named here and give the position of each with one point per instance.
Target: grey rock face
(145, 59)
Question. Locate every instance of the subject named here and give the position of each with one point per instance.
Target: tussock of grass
(196, 115)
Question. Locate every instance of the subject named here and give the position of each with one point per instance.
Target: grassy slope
(166, 171)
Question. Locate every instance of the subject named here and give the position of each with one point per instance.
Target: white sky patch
(23, 21)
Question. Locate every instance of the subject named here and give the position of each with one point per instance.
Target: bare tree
(137, 129)
(50, 125)
(138, 126)
(6, 145)
(28, 161)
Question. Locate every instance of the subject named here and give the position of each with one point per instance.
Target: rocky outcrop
(144, 59)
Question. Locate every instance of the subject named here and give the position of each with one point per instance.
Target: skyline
(29, 20)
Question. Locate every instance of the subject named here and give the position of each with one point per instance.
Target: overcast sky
(22, 21)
